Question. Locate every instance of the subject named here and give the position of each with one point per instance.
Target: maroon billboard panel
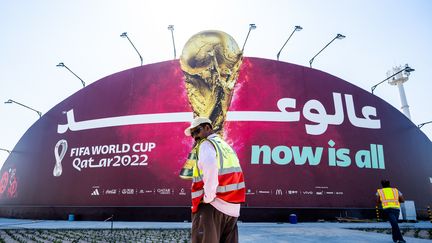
(304, 139)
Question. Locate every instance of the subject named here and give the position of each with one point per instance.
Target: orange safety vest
(231, 186)
(389, 197)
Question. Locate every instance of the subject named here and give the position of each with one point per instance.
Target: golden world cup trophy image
(210, 62)
(187, 170)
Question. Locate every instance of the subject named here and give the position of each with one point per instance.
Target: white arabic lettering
(313, 110)
(367, 112)
(321, 117)
(122, 121)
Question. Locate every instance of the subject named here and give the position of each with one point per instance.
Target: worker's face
(200, 132)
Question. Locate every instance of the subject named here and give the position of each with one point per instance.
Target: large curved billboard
(304, 138)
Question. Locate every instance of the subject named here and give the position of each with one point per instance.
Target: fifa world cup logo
(211, 61)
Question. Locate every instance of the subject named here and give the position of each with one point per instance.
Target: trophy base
(186, 174)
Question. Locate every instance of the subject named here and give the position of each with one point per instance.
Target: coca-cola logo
(111, 191)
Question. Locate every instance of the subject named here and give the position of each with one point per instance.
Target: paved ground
(249, 232)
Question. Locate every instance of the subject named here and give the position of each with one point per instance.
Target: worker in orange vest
(218, 186)
(390, 199)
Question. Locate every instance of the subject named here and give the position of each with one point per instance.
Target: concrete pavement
(249, 232)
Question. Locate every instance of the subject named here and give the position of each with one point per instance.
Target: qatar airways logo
(164, 191)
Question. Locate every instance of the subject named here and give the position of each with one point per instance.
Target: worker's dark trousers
(211, 226)
(393, 215)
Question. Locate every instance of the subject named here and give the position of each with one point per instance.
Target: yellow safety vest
(389, 197)
(231, 186)
(225, 155)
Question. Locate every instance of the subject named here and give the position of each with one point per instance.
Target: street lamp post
(399, 76)
(12, 101)
(124, 35)
(338, 36)
(5, 150)
(63, 65)
(407, 71)
(171, 27)
(251, 27)
(297, 28)
(424, 123)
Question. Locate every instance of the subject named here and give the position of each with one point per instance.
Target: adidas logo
(95, 192)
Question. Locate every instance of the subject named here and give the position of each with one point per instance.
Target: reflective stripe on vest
(221, 172)
(221, 189)
(389, 197)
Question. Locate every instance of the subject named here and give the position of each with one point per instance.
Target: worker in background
(390, 199)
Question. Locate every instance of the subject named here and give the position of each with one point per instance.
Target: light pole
(338, 36)
(297, 28)
(124, 35)
(5, 150)
(12, 101)
(63, 65)
(399, 76)
(251, 27)
(407, 71)
(171, 27)
(424, 123)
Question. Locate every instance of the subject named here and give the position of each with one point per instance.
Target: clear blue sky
(85, 35)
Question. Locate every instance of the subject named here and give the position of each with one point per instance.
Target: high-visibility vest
(389, 197)
(231, 186)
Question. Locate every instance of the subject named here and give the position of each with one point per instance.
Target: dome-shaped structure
(305, 139)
